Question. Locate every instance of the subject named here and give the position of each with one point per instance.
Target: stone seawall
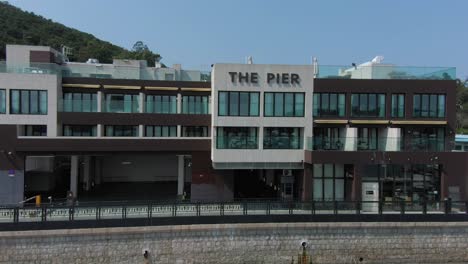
(243, 243)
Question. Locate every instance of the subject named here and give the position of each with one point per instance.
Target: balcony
(386, 72)
(380, 144)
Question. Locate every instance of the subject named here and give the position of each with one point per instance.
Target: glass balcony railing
(236, 142)
(106, 71)
(385, 71)
(70, 105)
(282, 142)
(29, 68)
(122, 106)
(378, 144)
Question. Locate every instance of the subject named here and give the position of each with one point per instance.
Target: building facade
(308, 132)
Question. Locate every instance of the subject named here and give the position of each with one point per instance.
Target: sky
(198, 33)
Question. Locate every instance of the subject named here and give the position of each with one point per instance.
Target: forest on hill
(22, 27)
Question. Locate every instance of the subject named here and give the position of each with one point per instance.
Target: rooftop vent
(92, 61)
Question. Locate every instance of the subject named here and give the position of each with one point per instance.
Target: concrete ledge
(227, 227)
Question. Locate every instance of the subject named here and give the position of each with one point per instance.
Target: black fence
(161, 213)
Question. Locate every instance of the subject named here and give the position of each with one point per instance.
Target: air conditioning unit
(287, 172)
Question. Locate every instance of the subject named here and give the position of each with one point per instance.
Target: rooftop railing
(386, 71)
(106, 71)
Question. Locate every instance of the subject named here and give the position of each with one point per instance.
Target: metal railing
(159, 210)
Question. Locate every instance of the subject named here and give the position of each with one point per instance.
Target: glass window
(122, 103)
(195, 104)
(195, 131)
(238, 104)
(329, 181)
(367, 138)
(120, 131)
(33, 102)
(429, 105)
(237, 138)
(2, 102)
(368, 105)
(282, 138)
(160, 131)
(329, 104)
(398, 105)
(79, 102)
(328, 138)
(34, 130)
(79, 130)
(284, 104)
(427, 139)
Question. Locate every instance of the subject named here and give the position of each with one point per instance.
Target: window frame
(230, 106)
(439, 112)
(282, 96)
(318, 109)
(39, 102)
(160, 128)
(360, 105)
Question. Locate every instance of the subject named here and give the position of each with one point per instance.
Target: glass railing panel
(383, 71)
(29, 68)
(377, 144)
(236, 142)
(279, 142)
(70, 105)
(123, 106)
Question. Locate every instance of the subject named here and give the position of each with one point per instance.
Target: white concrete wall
(48, 82)
(221, 81)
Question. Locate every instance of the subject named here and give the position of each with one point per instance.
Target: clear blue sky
(338, 32)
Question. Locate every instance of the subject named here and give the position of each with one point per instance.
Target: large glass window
(32, 102)
(328, 138)
(329, 104)
(237, 138)
(121, 131)
(79, 130)
(2, 101)
(122, 103)
(367, 138)
(79, 102)
(398, 105)
(238, 104)
(329, 182)
(195, 104)
(282, 138)
(368, 105)
(195, 131)
(411, 183)
(429, 105)
(284, 104)
(160, 131)
(428, 139)
(34, 130)
(161, 104)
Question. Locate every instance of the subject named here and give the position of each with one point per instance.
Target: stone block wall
(242, 243)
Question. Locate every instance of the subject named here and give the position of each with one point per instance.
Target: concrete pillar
(99, 101)
(142, 103)
(179, 103)
(74, 163)
(86, 173)
(180, 175)
(99, 130)
(141, 130)
(179, 130)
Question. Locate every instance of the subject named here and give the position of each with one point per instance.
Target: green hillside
(21, 27)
